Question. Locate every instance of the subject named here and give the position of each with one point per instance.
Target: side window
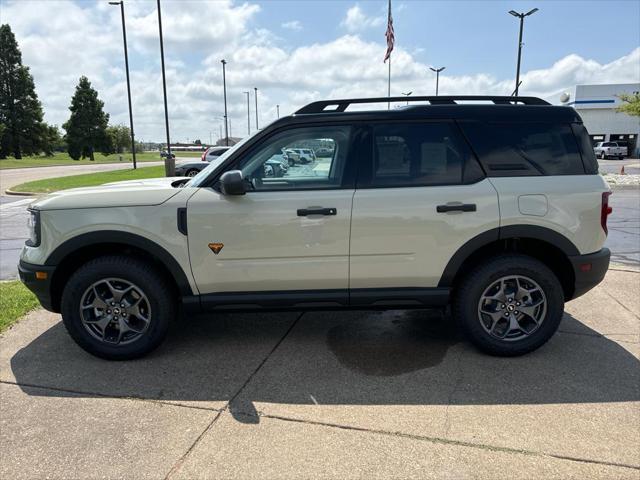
(586, 150)
(298, 159)
(415, 154)
(525, 148)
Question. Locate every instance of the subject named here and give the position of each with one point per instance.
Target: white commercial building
(597, 105)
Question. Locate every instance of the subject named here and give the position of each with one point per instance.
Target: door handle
(303, 212)
(460, 207)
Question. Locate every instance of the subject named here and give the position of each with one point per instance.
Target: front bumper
(41, 287)
(589, 270)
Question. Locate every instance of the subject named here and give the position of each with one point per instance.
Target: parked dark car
(192, 167)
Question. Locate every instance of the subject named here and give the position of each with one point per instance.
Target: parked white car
(605, 150)
(497, 210)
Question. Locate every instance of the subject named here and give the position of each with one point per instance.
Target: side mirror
(232, 183)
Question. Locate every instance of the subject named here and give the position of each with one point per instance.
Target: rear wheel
(192, 173)
(117, 307)
(603, 156)
(509, 305)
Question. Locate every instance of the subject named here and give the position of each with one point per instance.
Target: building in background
(597, 105)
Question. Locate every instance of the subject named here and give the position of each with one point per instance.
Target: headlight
(34, 228)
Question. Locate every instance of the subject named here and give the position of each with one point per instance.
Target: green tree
(631, 104)
(20, 109)
(87, 126)
(53, 141)
(120, 137)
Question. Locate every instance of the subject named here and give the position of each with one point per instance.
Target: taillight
(606, 210)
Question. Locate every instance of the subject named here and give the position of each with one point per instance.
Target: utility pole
(126, 65)
(256, 93)
(521, 17)
(248, 114)
(437, 70)
(169, 162)
(224, 88)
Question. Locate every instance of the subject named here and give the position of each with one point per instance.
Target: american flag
(391, 36)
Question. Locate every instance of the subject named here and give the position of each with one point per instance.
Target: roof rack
(342, 105)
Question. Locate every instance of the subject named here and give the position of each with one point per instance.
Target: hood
(152, 191)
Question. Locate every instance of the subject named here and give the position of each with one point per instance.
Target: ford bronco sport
(493, 205)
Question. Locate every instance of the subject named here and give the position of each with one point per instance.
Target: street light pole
(169, 162)
(224, 88)
(248, 114)
(407, 95)
(278, 110)
(126, 65)
(521, 17)
(437, 70)
(256, 93)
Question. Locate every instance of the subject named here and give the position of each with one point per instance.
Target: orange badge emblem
(216, 247)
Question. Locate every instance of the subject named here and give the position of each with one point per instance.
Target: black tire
(620, 157)
(192, 173)
(603, 156)
(152, 283)
(469, 292)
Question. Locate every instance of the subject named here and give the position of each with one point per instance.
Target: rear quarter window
(525, 148)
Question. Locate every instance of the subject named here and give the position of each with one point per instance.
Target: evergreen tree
(87, 126)
(20, 110)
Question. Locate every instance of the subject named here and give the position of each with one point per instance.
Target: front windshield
(214, 164)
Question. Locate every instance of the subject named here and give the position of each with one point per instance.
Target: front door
(290, 232)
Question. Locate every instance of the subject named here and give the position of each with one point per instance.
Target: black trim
(337, 299)
(125, 239)
(182, 221)
(585, 281)
(540, 233)
(504, 233)
(41, 288)
(399, 297)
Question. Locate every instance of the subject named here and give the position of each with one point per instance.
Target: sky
(296, 52)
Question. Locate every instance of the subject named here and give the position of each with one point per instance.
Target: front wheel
(193, 172)
(509, 305)
(603, 156)
(117, 307)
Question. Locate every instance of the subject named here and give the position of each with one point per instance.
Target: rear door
(420, 196)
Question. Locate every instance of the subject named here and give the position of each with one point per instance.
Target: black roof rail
(342, 105)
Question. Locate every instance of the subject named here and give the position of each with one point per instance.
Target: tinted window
(527, 148)
(412, 154)
(273, 166)
(586, 150)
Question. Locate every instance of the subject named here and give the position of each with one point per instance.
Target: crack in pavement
(184, 457)
(446, 441)
(104, 395)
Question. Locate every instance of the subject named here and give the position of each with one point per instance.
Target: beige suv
(495, 208)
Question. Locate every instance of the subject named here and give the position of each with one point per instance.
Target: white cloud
(292, 25)
(62, 40)
(356, 20)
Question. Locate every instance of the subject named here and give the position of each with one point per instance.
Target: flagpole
(389, 85)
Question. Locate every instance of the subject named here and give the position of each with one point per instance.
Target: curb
(8, 191)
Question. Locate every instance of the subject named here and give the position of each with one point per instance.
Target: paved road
(15, 176)
(631, 166)
(394, 394)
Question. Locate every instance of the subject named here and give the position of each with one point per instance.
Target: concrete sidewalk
(329, 395)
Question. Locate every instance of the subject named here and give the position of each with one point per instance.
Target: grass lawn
(64, 159)
(88, 179)
(15, 301)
